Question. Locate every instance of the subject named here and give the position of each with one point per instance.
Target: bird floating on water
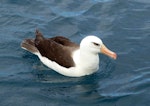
(67, 57)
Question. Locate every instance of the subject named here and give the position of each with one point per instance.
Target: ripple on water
(124, 26)
(126, 85)
(131, 20)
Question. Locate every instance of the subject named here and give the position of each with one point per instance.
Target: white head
(94, 45)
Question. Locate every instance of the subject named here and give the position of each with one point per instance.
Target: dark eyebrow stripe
(96, 44)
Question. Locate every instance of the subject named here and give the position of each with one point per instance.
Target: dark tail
(28, 44)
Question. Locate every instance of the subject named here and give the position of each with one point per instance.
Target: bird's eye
(96, 44)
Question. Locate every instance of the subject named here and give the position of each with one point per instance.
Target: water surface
(123, 25)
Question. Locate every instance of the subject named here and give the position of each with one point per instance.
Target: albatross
(66, 57)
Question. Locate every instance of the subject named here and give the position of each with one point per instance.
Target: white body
(83, 65)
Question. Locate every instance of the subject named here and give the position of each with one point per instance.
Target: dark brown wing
(64, 41)
(56, 49)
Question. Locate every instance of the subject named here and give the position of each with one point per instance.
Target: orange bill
(108, 52)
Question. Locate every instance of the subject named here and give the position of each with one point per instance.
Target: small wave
(103, 1)
(67, 13)
(141, 1)
(119, 94)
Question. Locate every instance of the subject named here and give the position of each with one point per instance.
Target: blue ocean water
(123, 25)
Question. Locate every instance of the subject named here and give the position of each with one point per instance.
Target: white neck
(86, 62)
